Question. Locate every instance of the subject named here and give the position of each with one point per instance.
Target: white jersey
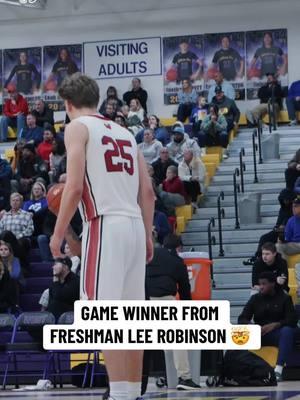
(111, 180)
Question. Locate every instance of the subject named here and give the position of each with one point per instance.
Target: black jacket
(228, 108)
(166, 274)
(278, 268)
(45, 116)
(267, 309)
(265, 93)
(139, 94)
(160, 169)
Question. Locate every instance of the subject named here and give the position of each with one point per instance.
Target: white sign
(122, 58)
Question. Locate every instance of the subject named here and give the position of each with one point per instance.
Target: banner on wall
(122, 58)
(183, 58)
(22, 70)
(225, 52)
(59, 62)
(266, 52)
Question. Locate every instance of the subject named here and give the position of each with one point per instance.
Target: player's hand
(55, 246)
(149, 250)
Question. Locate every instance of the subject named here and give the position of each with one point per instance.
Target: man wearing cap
(272, 89)
(226, 87)
(64, 290)
(180, 142)
(14, 112)
(227, 107)
(291, 245)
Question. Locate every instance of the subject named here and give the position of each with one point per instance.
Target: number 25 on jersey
(118, 149)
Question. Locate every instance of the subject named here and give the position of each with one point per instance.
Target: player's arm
(146, 200)
(76, 136)
(12, 73)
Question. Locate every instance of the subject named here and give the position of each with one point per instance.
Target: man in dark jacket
(227, 107)
(165, 275)
(274, 311)
(161, 165)
(292, 173)
(271, 90)
(273, 262)
(137, 92)
(42, 113)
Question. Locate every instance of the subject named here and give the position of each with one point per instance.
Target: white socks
(279, 369)
(125, 390)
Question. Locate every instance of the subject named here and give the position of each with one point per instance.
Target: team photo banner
(122, 58)
(171, 325)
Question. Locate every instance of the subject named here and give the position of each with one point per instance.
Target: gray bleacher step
(229, 224)
(266, 210)
(253, 187)
(230, 217)
(238, 295)
(234, 159)
(263, 177)
(261, 169)
(225, 278)
(228, 237)
(229, 263)
(232, 285)
(242, 250)
(229, 198)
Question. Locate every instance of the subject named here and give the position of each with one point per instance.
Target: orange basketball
(253, 73)
(50, 86)
(54, 197)
(171, 74)
(211, 72)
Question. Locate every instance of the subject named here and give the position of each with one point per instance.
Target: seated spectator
(166, 275)
(227, 107)
(5, 177)
(161, 226)
(292, 173)
(30, 168)
(187, 99)
(14, 113)
(120, 120)
(199, 112)
(213, 129)
(271, 89)
(192, 172)
(109, 111)
(274, 311)
(137, 92)
(150, 147)
(75, 259)
(293, 102)
(64, 290)
(8, 292)
(44, 149)
(10, 262)
(135, 116)
(291, 244)
(56, 156)
(31, 132)
(161, 165)
(172, 190)
(19, 223)
(160, 132)
(270, 261)
(112, 98)
(227, 88)
(42, 113)
(179, 142)
(38, 206)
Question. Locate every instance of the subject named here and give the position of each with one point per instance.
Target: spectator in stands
(161, 165)
(14, 114)
(109, 111)
(227, 107)
(38, 206)
(137, 92)
(120, 120)
(44, 149)
(160, 132)
(74, 258)
(192, 172)
(5, 177)
(187, 99)
(179, 142)
(64, 290)
(135, 116)
(172, 190)
(56, 156)
(161, 226)
(293, 102)
(292, 173)
(213, 129)
(150, 147)
(31, 132)
(112, 98)
(199, 112)
(10, 262)
(271, 90)
(270, 261)
(42, 113)
(274, 311)
(29, 169)
(227, 88)
(166, 275)
(291, 245)
(8, 292)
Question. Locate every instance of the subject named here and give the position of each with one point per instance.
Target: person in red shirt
(172, 191)
(14, 113)
(45, 148)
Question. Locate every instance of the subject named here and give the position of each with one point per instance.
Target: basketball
(171, 74)
(50, 86)
(253, 73)
(211, 72)
(54, 197)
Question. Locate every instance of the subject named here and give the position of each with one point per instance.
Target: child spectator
(44, 149)
(172, 193)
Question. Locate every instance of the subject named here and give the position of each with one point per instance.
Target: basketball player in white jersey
(108, 177)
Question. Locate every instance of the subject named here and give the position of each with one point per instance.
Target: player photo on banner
(182, 59)
(22, 72)
(267, 52)
(225, 53)
(59, 62)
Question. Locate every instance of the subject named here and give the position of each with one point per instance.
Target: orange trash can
(199, 268)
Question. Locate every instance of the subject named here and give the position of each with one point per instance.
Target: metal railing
(236, 190)
(221, 214)
(258, 134)
(211, 242)
(242, 168)
(254, 149)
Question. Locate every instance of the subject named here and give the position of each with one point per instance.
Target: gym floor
(284, 391)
